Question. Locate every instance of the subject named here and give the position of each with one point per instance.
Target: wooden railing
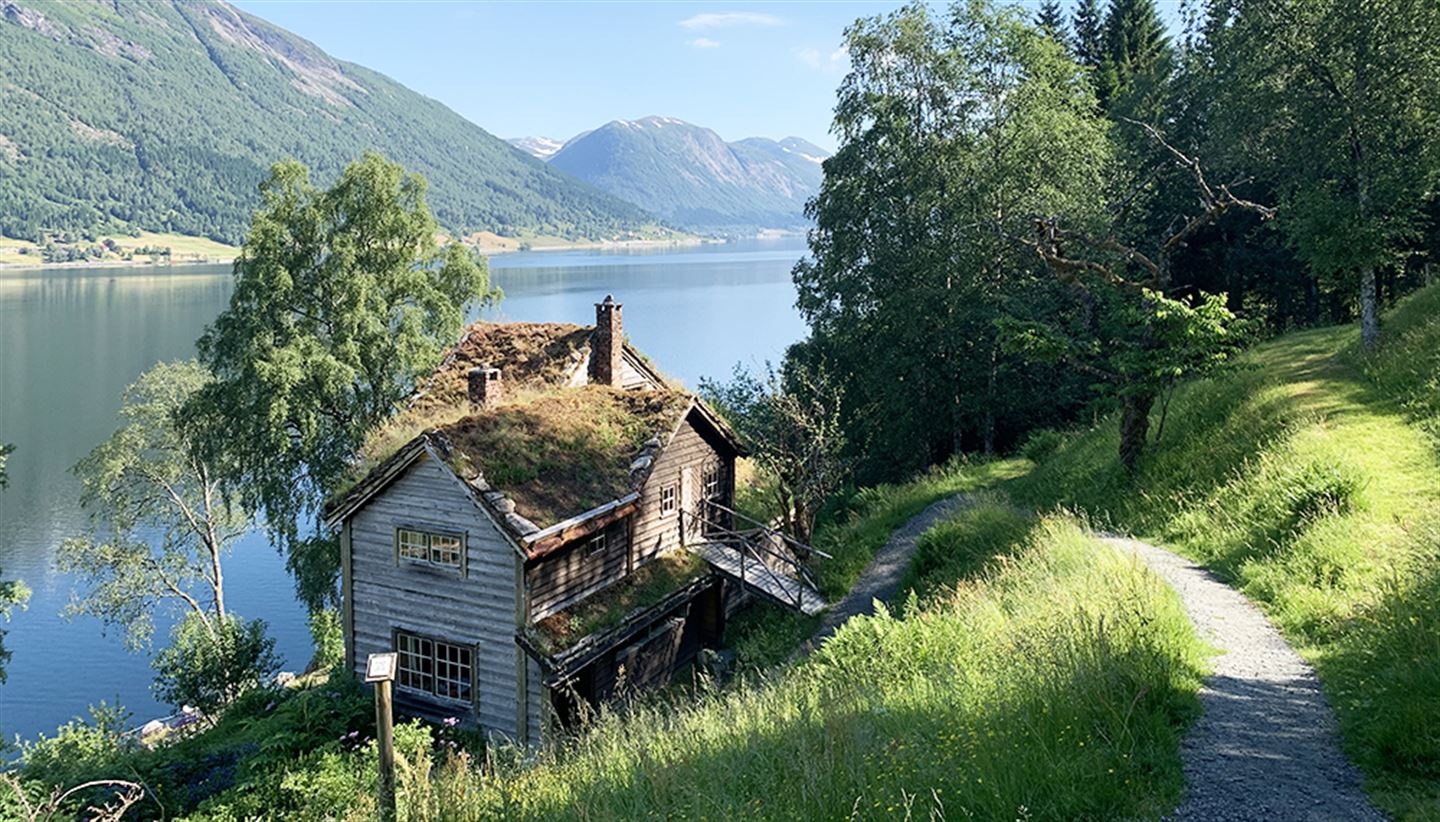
(752, 542)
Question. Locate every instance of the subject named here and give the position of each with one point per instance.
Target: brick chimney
(606, 343)
(486, 389)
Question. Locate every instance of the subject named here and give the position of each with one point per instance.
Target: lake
(72, 339)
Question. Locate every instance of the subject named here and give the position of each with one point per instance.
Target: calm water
(71, 340)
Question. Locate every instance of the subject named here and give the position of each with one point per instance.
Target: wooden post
(380, 670)
(385, 739)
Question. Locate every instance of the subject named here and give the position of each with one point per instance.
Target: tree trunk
(1134, 427)
(1312, 301)
(1369, 308)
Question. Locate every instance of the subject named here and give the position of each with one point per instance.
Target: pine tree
(1136, 49)
(1089, 33)
(1052, 20)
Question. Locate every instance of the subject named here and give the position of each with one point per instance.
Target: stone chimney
(606, 344)
(486, 389)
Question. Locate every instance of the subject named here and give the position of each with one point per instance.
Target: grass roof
(602, 611)
(533, 356)
(561, 453)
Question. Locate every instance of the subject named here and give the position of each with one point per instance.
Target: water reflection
(72, 339)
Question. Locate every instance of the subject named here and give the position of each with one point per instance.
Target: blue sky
(557, 68)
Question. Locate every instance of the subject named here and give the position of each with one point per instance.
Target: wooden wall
(570, 573)
(478, 609)
(681, 464)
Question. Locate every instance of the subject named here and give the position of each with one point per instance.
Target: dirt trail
(881, 578)
(1266, 746)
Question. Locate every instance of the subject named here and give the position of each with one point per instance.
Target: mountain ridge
(166, 116)
(691, 177)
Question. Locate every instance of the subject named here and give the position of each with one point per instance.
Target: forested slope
(165, 116)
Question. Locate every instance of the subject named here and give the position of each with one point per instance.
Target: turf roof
(561, 453)
(532, 356)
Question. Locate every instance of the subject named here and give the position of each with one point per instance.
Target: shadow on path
(1266, 746)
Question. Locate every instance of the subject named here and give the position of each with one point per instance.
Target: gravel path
(1266, 746)
(881, 578)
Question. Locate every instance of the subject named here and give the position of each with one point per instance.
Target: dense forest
(167, 116)
(1024, 226)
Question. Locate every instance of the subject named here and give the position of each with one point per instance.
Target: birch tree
(161, 524)
(342, 300)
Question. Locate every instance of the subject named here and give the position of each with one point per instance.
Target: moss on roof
(562, 453)
(532, 356)
(606, 609)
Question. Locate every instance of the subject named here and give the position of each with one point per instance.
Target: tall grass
(852, 529)
(1048, 680)
(1310, 480)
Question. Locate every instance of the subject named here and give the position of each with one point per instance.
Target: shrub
(210, 670)
(329, 639)
(80, 750)
(1041, 445)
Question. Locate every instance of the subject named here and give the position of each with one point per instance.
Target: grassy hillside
(1046, 678)
(1037, 675)
(1311, 481)
(164, 117)
(139, 248)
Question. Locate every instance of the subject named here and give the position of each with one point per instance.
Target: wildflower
(451, 721)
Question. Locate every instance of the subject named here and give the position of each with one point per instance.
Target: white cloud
(703, 43)
(725, 19)
(834, 62)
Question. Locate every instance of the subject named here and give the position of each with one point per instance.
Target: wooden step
(760, 578)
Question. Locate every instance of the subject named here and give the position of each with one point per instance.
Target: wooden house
(559, 531)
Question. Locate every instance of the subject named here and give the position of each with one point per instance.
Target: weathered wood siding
(570, 573)
(477, 610)
(537, 703)
(680, 465)
(652, 658)
(631, 375)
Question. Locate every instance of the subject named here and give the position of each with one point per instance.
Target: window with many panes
(710, 482)
(710, 494)
(668, 496)
(446, 550)
(433, 667)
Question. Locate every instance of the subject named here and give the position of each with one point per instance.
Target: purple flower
(451, 721)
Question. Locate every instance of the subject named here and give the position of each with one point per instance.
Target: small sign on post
(380, 669)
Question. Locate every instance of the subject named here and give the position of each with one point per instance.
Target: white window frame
(435, 668)
(710, 482)
(597, 544)
(669, 499)
(417, 545)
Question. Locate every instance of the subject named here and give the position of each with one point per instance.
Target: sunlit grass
(1311, 481)
(1050, 683)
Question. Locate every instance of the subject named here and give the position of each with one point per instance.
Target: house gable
(679, 469)
(474, 606)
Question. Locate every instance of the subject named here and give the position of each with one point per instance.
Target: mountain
(541, 147)
(687, 175)
(165, 116)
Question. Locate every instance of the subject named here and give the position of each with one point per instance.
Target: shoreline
(100, 264)
(487, 250)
